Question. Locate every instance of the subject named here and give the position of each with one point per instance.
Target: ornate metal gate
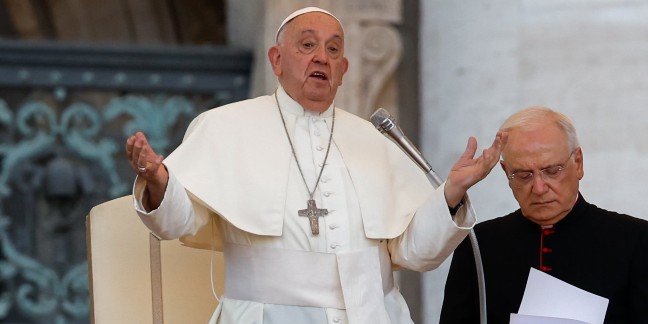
(65, 113)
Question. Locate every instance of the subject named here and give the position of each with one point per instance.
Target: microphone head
(382, 120)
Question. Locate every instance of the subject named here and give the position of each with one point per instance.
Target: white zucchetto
(299, 13)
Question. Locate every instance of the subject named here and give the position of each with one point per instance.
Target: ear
(345, 62)
(503, 167)
(274, 56)
(579, 163)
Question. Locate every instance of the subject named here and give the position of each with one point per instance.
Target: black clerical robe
(600, 251)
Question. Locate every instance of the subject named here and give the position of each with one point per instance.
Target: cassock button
(336, 320)
(319, 148)
(327, 194)
(333, 226)
(334, 246)
(545, 269)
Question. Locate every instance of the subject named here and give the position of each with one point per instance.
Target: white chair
(136, 278)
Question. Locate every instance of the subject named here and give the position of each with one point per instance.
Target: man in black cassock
(555, 230)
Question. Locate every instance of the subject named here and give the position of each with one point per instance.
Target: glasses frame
(543, 173)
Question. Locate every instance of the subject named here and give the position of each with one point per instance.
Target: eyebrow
(313, 31)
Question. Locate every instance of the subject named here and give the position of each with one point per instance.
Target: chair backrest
(136, 278)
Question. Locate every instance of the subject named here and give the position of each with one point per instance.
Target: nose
(539, 184)
(319, 55)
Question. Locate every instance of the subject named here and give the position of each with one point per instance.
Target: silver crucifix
(312, 212)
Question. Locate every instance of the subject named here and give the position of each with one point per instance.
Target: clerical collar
(293, 107)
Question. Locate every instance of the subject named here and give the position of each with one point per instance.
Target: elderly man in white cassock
(311, 205)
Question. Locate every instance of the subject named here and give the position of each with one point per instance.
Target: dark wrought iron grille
(65, 113)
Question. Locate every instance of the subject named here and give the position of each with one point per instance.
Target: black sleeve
(461, 297)
(639, 279)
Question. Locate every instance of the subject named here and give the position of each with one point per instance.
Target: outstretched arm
(467, 171)
(148, 165)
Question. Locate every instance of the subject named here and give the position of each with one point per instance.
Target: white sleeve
(175, 217)
(432, 235)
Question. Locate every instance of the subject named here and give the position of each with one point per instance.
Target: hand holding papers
(555, 301)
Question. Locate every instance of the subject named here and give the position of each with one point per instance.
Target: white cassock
(235, 166)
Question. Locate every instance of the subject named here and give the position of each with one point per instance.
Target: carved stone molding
(380, 53)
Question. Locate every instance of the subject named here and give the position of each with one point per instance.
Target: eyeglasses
(522, 179)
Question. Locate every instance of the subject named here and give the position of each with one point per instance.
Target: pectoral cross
(312, 212)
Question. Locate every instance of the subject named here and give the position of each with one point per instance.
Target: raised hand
(467, 171)
(148, 165)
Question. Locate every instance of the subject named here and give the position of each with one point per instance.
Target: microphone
(386, 124)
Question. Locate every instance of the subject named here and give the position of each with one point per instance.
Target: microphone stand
(387, 126)
(436, 181)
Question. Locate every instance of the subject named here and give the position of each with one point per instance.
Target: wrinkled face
(544, 199)
(309, 59)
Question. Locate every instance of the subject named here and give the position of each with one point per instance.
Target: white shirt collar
(291, 106)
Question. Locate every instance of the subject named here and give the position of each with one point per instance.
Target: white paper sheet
(550, 297)
(530, 319)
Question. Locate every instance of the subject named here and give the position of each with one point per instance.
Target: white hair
(534, 117)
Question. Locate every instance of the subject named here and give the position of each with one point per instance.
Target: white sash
(356, 280)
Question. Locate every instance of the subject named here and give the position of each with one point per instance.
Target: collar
(575, 214)
(289, 105)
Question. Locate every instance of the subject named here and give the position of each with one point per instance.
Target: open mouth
(319, 75)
